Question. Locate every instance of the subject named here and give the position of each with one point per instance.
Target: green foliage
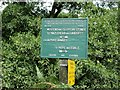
(21, 63)
(91, 75)
(103, 38)
(46, 85)
(19, 60)
(102, 69)
(19, 19)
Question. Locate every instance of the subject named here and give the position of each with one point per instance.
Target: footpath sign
(64, 38)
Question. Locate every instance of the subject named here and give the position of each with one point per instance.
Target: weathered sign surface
(64, 38)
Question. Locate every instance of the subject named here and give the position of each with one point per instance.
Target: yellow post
(71, 72)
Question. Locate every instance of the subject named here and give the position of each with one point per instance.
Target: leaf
(39, 74)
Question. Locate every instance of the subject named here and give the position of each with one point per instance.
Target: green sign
(64, 38)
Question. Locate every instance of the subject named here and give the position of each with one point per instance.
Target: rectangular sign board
(64, 38)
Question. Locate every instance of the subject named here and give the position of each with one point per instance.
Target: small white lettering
(52, 54)
(73, 55)
(62, 55)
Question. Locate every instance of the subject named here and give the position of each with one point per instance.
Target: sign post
(63, 72)
(65, 38)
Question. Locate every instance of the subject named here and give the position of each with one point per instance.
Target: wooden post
(63, 72)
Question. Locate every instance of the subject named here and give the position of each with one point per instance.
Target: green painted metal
(64, 38)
